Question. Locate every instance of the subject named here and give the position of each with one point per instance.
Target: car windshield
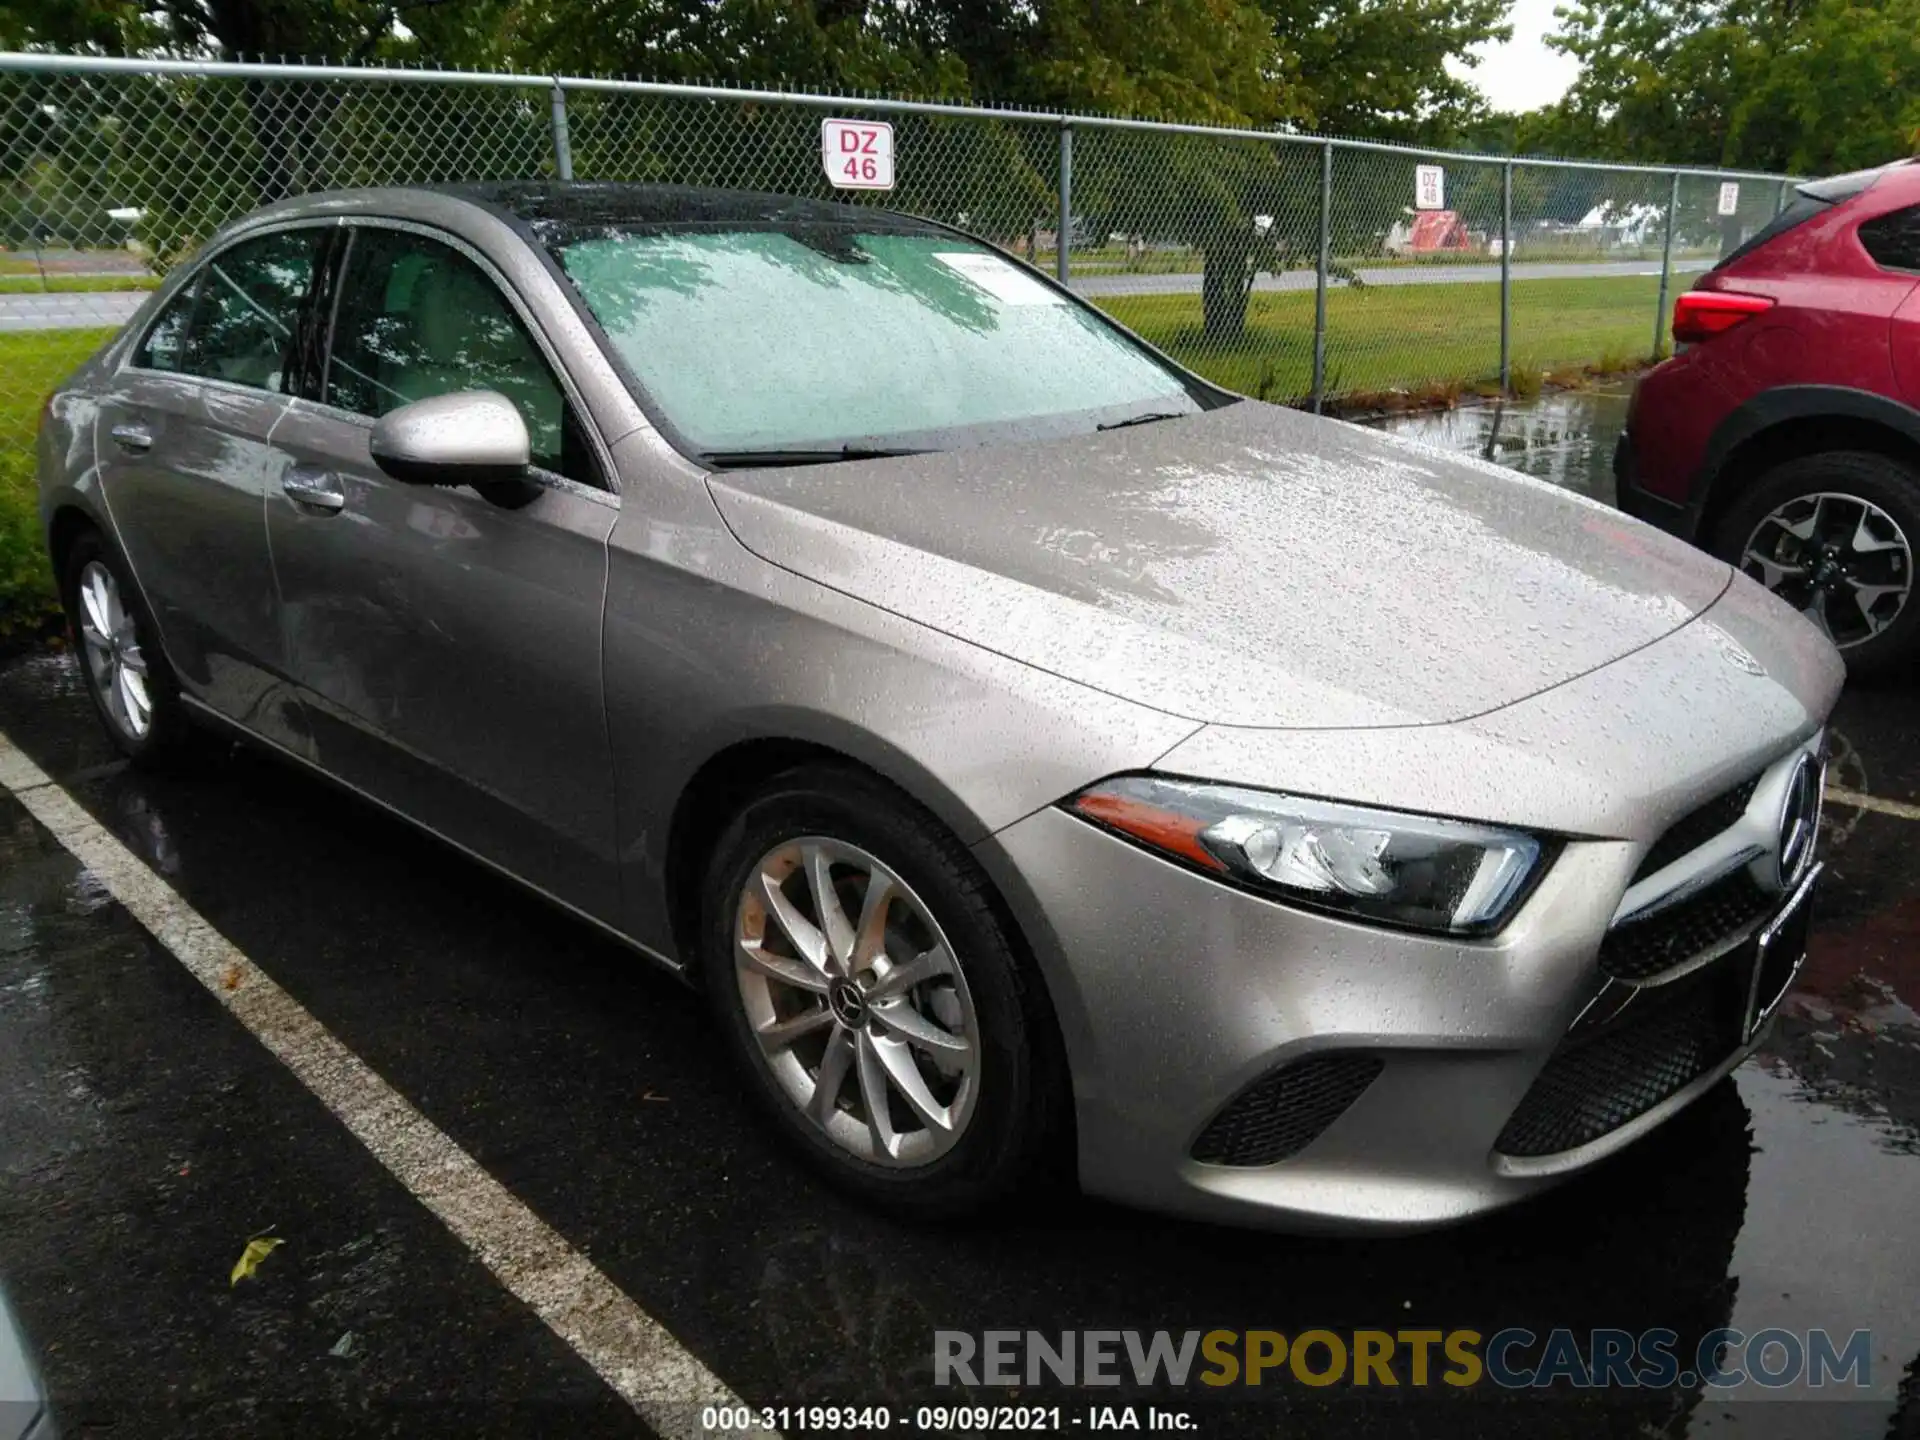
(814, 339)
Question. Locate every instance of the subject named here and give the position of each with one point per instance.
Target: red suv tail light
(1702, 314)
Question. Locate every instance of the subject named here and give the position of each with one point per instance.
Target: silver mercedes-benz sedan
(1045, 762)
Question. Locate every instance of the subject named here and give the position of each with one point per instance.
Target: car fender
(1785, 405)
(717, 649)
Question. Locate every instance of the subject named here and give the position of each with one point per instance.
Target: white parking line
(1873, 802)
(631, 1351)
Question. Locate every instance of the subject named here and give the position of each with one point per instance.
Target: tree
(845, 45)
(1363, 67)
(1805, 86)
(286, 123)
(1378, 69)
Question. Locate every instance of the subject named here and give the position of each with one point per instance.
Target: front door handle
(315, 489)
(133, 436)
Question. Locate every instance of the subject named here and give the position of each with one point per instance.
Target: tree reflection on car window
(247, 303)
(785, 335)
(418, 319)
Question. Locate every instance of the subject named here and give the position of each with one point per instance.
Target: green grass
(73, 284)
(31, 364)
(1391, 337)
(1113, 259)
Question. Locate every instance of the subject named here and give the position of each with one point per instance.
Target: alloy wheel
(1839, 560)
(857, 1002)
(114, 659)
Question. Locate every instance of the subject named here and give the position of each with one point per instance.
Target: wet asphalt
(145, 1136)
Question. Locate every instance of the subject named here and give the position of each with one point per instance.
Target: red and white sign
(857, 154)
(1429, 187)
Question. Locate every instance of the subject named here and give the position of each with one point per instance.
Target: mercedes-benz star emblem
(848, 1002)
(1799, 813)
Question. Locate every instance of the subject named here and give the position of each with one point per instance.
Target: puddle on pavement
(1565, 439)
(1832, 1186)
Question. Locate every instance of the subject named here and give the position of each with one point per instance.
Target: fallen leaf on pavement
(258, 1249)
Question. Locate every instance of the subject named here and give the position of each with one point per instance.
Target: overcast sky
(1523, 73)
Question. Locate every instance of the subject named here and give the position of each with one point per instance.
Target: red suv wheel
(1833, 535)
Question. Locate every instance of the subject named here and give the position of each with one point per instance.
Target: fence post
(1506, 278)
(1063, 238)
(1780, 199)
(1321, 266)
(562, 144)
(1666, 268)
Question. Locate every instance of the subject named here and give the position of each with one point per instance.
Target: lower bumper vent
(1594, 1084)
(1281, 1113)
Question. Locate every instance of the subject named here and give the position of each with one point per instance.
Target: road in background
(1188, 283)
(68, 309)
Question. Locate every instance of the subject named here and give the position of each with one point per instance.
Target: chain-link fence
(1284, 266)
(1293, 268)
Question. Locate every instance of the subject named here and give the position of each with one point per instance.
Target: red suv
(1784, 434)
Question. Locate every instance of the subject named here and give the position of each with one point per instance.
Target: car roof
(1835, 188)
(550, 212)
(580, 204)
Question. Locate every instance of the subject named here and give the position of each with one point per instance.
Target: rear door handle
(133, 436)
(315, 489)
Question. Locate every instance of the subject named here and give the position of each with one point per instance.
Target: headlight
(1381, 865)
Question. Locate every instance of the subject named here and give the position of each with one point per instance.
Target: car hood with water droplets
(1251, 565)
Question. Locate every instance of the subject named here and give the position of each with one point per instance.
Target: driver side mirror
(471, 437)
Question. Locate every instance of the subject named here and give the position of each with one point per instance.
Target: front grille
(1696, 827)
(1284, 1111)
(1715, 919)
(1595, 1083)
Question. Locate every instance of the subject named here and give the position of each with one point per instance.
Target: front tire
(871, 990)
(1834, 535)
(133, 688)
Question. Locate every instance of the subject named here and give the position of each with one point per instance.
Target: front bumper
(1183, 996)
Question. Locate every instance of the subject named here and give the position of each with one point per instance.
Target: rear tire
(1835, 536)
(133, 689)
(971, 1039)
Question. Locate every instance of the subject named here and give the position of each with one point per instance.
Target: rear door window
(248, 308)
(166, 344)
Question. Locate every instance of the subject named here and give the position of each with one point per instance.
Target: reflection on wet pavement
(1565, 438)
(143, 1136)
(1802, 1260)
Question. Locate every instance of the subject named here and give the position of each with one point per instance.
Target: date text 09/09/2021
(941, 1419)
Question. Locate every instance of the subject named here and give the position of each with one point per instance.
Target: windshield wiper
(747, 459)
(1146, 419)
